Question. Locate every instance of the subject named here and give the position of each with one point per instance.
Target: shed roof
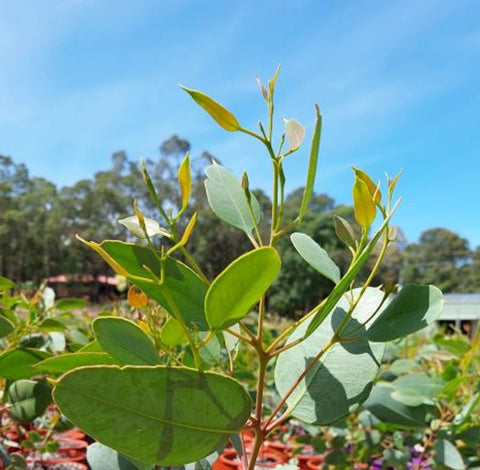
(461, 307)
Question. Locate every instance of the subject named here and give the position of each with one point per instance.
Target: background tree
(438, 258)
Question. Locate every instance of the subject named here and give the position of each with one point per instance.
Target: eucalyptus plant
(155, 395)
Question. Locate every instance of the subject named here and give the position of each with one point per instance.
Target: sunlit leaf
(158, 415)
(315, 256)
(152, 226)
(342, 378)
(363, 204)
(220, 114)
(185, 180)
(5, 284)
(125, 341)
(412, 309)
(372, 187)
(173, 334)
(63, 363)
(227, 199)
(240, 286)
(295, 133)
(312, 164)
(16, 364)
(447, 454)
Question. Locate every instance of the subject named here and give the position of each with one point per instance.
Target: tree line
(39, 221)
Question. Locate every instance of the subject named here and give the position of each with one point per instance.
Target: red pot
(315, 462)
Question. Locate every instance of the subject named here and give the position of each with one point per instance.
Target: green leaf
(295, 133)
(240, 286)
(70, 304)
(312, 164)
(16, 364)
(315, 256)
(343, 377)
(50, 325)
(185, 289)
(65, 362)
(408, 396)
(172, 333)
(158, 415)
(29, 399)
(402, 366)
(220, 114)
(412, 309)
(125, 341)
(6, 327)
(420, 385)
(211, 352)
(344, 284)
(5, 284)
(447, 454)
(227, 199)
(344, 230)
(101, 457)
(385, 408)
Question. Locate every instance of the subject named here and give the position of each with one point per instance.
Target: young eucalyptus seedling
(152, 396)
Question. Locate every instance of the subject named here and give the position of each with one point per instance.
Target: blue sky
(397, 83)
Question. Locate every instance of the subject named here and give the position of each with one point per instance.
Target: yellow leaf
(144, 326)
(136, 297)
(188, 230)
(372, 187)
(363, 204)
(106, 257)
(185, 180)
(222, 115)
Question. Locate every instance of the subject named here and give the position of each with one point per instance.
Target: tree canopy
(38, 224)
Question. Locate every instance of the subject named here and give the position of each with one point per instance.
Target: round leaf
(240, 286)
(387, 409)
(172, 333)
(185, 288)
(315, 256)
(343, 377)
(101, 457)
(125, 341)
(447, 454)
(159, 415)
(412, 309)
(29, 399)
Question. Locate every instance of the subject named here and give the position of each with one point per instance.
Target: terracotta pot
(73, 433)
(315, 462)
(70, 451)
(74, 450)
(267, 458)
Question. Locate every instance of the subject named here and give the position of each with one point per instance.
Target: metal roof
(461, 307)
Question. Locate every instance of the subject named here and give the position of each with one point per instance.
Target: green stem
(193, 264)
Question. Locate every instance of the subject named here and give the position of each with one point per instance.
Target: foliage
(165, 387)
